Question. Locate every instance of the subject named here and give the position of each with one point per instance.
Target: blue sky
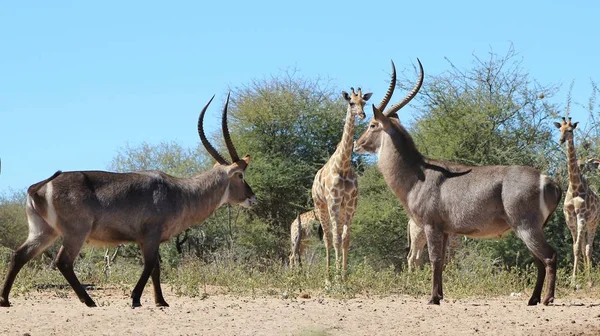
(80, 79)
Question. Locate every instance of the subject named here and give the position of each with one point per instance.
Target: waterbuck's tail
(35, 187)
(551, 193)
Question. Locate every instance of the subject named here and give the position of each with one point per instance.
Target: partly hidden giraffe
(417, 240)
(302, 231)
(581, 207)
(590, 165)
(335, 187)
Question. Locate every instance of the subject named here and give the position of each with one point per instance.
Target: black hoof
(136, 304)
(162, 304)
(533, 302)
(434, 301)
(4, 303)
(91, 304)
(548, 301)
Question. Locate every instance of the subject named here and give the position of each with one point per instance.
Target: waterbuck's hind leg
(545, 260)
(41, 235)
(536, 296)
(64, 262)
(150, 254)
(159, 300)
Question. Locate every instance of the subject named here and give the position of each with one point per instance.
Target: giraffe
(335, 187)
(302, 230)
(417, 240)
(581, 207)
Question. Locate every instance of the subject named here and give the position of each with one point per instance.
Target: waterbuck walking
(475, 201)
(145, 207)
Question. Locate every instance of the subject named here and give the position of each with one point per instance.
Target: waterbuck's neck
(343, 152)
(400, 162)
(572, 165)
(202, 195)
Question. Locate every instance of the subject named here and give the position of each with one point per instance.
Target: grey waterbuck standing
(145, 207)
(475, 201)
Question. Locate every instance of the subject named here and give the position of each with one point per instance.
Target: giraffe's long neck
(343, 153)
(572, 166)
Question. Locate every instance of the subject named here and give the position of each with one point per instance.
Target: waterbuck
(145, 207)
(475, 201)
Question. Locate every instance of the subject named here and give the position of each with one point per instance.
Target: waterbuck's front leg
(435, 245)
(64, 262)
(150, 254)
(159, 300)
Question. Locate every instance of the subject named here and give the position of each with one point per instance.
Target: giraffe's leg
(591, 232)
(300, 252)
(578, 244)
(571, 220)
(417, 244)
(335, 220)
(454, 242)
(349, 214)
(323, 216)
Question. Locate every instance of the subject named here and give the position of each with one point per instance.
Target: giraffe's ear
(558, 125)
(575, 124)
(346, 95)
(366, 96)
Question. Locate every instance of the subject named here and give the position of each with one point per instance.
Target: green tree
(13, 221)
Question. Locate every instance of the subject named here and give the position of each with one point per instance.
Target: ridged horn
(390, 90)
(211, 150)
(396, 107)
(228, 142)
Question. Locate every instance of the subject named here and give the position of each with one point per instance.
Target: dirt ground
(60, 313)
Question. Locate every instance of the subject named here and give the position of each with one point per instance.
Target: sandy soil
(59, 313)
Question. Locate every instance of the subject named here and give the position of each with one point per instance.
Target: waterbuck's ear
(558, 125)
(378, 115)
(246, 158)
(346, 95)
(575, 124)
(366, 96)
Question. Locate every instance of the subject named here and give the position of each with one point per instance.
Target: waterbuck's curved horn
(390, 90)
(230, 147)
(396, 107)
(211, 150)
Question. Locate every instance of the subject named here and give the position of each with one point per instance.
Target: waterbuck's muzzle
(249, 202)
(357, 148)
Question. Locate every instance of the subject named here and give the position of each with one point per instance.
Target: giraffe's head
(591, 165)
(356, 101)
(566, 129)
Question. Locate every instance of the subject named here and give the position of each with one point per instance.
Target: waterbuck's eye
(372, 126)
